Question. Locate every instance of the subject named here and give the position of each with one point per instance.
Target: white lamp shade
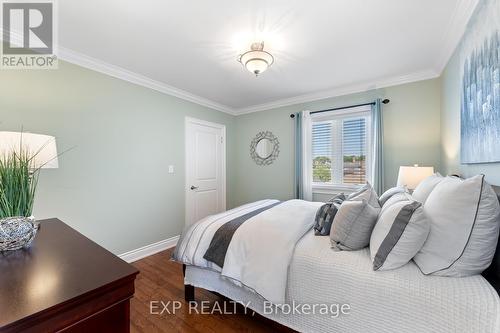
(411, 176)
(44, 146)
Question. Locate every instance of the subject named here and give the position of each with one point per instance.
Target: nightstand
(64, 281)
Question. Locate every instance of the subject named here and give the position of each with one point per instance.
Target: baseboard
(150, 249)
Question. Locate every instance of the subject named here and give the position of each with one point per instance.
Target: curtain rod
(385, 101)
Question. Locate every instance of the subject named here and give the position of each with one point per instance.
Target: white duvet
(260, 251)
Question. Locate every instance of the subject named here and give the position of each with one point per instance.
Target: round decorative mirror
(264, 148)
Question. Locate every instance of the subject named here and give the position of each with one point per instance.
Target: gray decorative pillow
(399, 234)
(339, 198)
(325, 215)
(366, 193)
(353, 225)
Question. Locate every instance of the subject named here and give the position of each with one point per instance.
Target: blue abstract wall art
(480, 104)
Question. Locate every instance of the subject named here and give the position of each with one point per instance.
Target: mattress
(401, 300)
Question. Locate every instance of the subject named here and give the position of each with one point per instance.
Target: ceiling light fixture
(256, 60)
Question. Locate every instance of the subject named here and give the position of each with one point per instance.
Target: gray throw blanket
(217, 250)
(325, 215)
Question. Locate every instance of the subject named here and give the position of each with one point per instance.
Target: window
(341, 151)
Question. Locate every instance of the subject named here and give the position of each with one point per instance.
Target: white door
(205, 169)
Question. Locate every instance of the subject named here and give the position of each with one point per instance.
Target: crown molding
(100, 66)
(129, 76)
(341, 91)
(455, 31)
(456, 28)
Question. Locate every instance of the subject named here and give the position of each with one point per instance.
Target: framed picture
(480, 96)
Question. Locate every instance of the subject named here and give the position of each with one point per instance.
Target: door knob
(194, 187)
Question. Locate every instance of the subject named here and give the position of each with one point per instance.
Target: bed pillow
(465, 220)
(421, 193)
(339, 198)
(325, 215)
(391, 192)
(399, 233)
(353, 224)
(366, 193)
(402, 196)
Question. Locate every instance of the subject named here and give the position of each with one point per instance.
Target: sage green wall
(450, 128)
(411, 135)
(113, 186)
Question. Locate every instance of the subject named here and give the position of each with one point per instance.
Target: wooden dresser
(64, 282)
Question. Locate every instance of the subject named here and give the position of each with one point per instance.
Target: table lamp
(411, 176)
(44, 146)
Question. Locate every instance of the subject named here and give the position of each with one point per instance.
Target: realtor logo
(28, 35)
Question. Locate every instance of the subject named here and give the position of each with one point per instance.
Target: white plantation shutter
(322, 149)
(341, 153)
(354, 151)
(322, 139)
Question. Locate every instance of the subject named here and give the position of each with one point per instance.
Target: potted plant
(20, 166)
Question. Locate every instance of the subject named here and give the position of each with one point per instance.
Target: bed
(400, 300)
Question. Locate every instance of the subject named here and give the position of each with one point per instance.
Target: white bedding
(402, 300)
(261, 248)
(196, 239)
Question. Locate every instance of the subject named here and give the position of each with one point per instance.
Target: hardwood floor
(161, 280)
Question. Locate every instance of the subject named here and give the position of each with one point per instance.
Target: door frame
(191, 120)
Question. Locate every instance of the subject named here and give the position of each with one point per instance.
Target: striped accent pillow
(325, 215)
(399, 234)
(390, 193)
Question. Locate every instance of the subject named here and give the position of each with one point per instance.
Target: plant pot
(17, 232)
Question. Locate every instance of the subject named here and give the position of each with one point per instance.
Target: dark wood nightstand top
(60, 267)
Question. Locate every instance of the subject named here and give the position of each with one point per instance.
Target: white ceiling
(321, 48)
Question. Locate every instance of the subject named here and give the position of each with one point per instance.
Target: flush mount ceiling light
(256, 60)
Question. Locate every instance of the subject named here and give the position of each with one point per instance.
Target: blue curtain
(299, 194)
(378, 148)
(303, 158)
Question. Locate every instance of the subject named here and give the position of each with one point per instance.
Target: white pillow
(421, 193)
(399, 234)
(402, 196)
(391, 192)
(465, 220)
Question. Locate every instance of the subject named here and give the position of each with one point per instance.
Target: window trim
(345, 114)
(320, 188)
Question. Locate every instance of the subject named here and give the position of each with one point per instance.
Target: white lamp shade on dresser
(411, 176)
(42, 146)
